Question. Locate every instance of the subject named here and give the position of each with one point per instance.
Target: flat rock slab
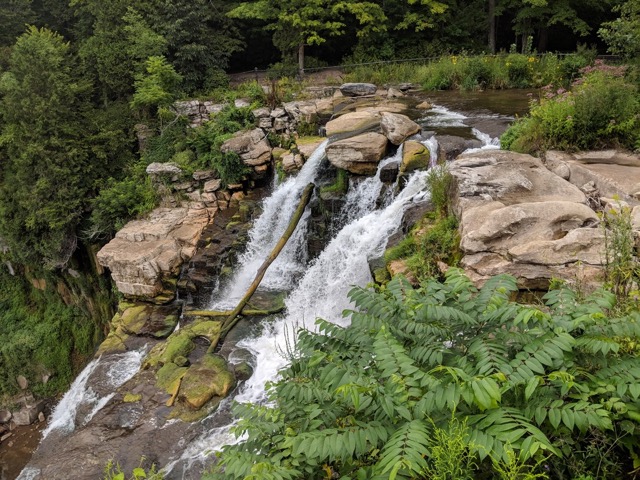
(146, 251)
(509, 178)
(353, 122)
(518, 217)
(614, 173)
(358, 89)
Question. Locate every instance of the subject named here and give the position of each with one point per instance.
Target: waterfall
(267, 230)
(321, 292)
(105, 373)
(363, 194)
(488, 142)
(440, 116)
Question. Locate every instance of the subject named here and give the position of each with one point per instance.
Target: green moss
(178, 344)
(340, 185)
(131, 398)
(134, 318)
(208, 328)
(209, 378)
(168, 375)
(381, 275)
(114, 343)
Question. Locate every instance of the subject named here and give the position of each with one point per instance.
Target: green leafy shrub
(206, 140)
(112, 471)
(601, 110)
(366, 401)
(519, 70)
(118, 202)
(475, 72)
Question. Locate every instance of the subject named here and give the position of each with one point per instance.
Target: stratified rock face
(146, 251)
(518, 217)
(398, 127)
(360, 154)
(353, 122)
(252, 147)
(613, 173)
(302, 111)
(358, 89)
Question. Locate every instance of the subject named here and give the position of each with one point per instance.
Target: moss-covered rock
(178, 344)
(134, 318)
(210, 329)
(131, 398)
(415, 156)
(114, 343)
(210, 377)
(243, 371)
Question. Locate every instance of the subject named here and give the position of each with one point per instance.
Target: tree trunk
(542, 39)
(492, 26)
(301, 61)
(230, 322)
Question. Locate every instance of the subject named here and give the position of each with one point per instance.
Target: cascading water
(363, 195)
(267, 230)
(105, 374)
(440, 116)
(322, 292)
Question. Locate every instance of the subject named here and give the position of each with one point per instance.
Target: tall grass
(476, 72)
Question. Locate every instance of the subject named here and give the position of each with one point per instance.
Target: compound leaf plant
(424, 378)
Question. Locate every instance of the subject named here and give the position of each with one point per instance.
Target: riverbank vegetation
(87, 102)
(601, 109)
(447, 381)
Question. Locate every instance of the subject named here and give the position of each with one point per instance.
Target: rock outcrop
(252, 146)
(518, 217)
(613, 173)
(397, 127)
(146, 252)
(353, 122)
(360, 154)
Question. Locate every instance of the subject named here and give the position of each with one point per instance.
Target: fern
(368, 400)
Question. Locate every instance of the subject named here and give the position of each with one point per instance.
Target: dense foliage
(600, 110)
(425, 378)
(42, 334)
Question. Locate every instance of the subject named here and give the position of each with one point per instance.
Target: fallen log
(232, 319)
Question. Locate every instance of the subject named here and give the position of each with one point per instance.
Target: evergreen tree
(46, 167)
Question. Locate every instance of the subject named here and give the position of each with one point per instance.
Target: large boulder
(509, 178)
(357, 89)
(415, 156)
(451, 146)
(210, 377)
(252, 146)
(353, 122)
(397, 127)
(497, 227)
(518, 217)
(360, 154)
(144, 252)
